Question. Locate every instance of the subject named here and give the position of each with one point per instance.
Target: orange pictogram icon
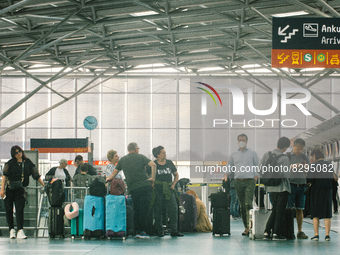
(295, 58)
(335, 60)
(282, 59)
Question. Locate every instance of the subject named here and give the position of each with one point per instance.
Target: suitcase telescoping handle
(108, 183)
(266, 204)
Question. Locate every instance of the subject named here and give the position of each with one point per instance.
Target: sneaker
(178, 234)
(301, 235)
(12, 234)
(327, 238)
(279, 237)
(315, 238)
(21, 234)
(266, 237)
(142, 235)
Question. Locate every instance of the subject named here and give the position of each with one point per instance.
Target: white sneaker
(21, 234)
(12, 233)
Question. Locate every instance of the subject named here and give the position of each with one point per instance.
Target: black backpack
(271, 178)
(56, 193)
(289, 154)
(97, 188)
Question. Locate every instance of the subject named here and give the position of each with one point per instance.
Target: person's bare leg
(316, 226)
(299, 219)
(327, 226)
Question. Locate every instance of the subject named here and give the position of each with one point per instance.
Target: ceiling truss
(105, 38)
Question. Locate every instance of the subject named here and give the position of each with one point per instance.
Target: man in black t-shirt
(139, 186)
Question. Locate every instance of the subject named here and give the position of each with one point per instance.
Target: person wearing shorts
(297, 198)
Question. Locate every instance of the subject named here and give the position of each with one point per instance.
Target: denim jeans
(234, 203)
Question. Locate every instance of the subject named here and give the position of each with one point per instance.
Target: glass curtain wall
(149, 111)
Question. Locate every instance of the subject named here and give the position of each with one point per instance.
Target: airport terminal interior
(82, 77)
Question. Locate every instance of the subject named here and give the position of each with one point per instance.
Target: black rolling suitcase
(56, 222)
(220, 207)
(288, 226)
(221, 221)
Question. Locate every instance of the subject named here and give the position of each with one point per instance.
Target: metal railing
(41, 205)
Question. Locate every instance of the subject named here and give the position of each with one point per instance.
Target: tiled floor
(194, 243)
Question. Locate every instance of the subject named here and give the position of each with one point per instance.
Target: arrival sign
(306, 42)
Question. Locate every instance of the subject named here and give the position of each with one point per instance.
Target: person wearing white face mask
(243, 163)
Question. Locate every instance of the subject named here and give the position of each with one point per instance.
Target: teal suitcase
(77, 225)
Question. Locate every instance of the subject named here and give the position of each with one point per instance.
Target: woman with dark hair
(320, 177)
(16, 176)
(165, 193)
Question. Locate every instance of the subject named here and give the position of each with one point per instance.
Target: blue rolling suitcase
(115, 216)
(94, 216)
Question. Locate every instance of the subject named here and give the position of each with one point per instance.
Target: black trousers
(335, 202)
(275, 221)
(172, 208)
(16, 197)
(141, 199)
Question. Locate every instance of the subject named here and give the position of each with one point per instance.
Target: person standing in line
(113, 157)
(16, 177)
(80, 162)
(165, 192)
(140, 187)
(278, 194)
(244, 180)
(60, 172)
(335, 185)
(83, 180)
(298, 182)
(321, 192)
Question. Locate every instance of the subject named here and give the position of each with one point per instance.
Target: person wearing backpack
(298, 182)
(278, 194)
(80, 162)
(243, 162)
(82, 180)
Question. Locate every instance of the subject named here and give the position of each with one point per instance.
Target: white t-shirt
(59, 174)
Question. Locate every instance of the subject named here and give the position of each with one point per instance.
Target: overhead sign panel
(61, 145)
(306, 42)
